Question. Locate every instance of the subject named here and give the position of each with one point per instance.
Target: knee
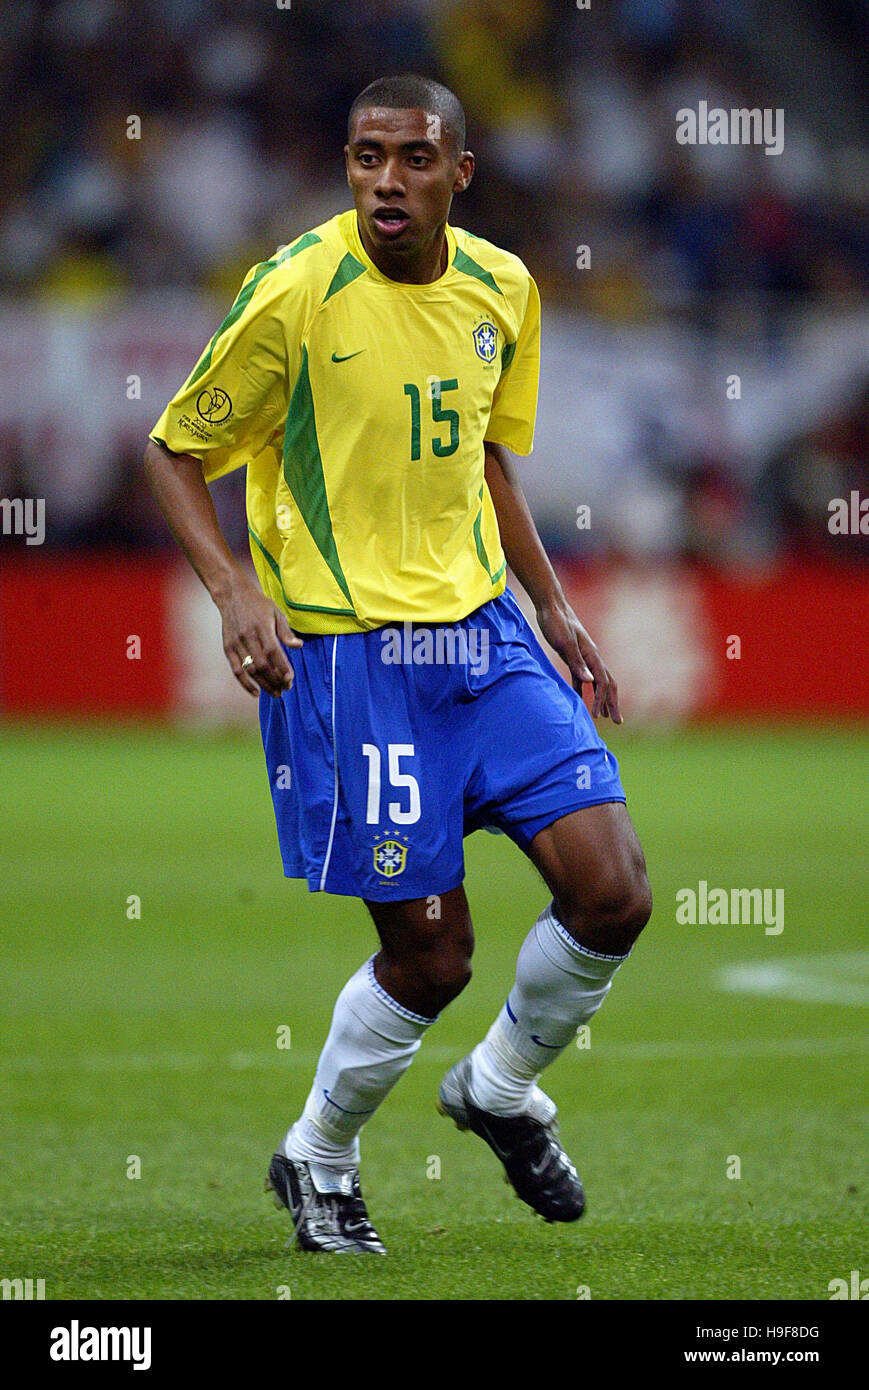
(427, 974)
(631, 906)
(443, 975)
(443, 962)
(609, 915)
(636, 906)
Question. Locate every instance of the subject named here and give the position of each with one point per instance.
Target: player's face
(403, 172)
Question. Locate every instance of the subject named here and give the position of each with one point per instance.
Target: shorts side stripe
(335, 765)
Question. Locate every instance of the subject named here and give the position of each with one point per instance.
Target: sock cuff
(393, 1004)
(549, 925)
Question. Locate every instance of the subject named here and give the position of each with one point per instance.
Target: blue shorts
(392, 745)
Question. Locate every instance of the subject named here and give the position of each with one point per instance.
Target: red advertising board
(84, 637)
(110, 635)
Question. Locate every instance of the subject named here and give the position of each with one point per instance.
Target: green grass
(157, 1038)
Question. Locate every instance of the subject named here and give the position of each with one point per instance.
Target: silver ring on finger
(248, 661)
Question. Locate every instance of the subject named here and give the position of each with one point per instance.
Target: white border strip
(769, 1049)
(840, 977)
(335, 764)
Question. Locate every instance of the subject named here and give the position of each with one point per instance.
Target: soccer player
(375, 375)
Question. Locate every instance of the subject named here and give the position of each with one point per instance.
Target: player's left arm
(531, 566)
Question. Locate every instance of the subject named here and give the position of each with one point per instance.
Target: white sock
(559, 986)
(371, 1043)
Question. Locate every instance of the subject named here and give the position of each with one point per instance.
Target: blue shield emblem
(390, 858)
(486, 341)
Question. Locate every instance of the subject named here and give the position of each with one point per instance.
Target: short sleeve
(514, 405)
(238, 392)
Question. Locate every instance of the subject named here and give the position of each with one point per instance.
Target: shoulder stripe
(245, 295)
(349, 270)
(468, 266)
(309, 239)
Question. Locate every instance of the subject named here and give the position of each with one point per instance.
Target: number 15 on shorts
(399, 781)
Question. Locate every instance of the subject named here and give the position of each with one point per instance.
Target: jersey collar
(354, 241)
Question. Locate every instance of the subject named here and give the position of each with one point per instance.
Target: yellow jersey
(360, 405)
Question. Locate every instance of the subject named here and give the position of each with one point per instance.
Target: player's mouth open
(391, 221)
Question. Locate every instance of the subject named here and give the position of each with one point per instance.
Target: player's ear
(464, 172)
(347, 162)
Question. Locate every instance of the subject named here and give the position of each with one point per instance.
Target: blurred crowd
(170, 144)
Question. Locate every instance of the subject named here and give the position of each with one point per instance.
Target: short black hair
(410, 91)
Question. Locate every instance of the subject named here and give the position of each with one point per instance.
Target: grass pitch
(149, 1045)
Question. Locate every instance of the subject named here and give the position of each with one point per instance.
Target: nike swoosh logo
(501, 1153)
(538, 1169)
(346, 357)
(341, 1107)
(553, 1047)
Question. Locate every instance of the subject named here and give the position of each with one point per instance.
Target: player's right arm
(252, 624)
(226, 414)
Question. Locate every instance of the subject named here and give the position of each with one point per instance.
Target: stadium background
(122, 242)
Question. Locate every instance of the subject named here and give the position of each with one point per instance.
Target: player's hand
(254, 626)
(566, 634)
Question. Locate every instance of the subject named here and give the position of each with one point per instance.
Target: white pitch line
(841, 977)
(667, 1050)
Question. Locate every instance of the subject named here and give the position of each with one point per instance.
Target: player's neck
(428, 266)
